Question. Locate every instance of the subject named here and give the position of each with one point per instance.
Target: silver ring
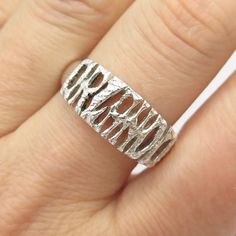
(118, 113)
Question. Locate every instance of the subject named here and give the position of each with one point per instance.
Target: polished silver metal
(118, 113)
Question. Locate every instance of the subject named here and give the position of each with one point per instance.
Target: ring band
(118, 113)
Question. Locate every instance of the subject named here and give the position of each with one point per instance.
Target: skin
(58, 177)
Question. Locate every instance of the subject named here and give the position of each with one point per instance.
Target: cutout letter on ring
(118, 113)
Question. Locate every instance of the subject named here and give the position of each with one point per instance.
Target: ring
(118, 113)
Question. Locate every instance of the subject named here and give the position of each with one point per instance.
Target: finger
(7, 9)
(43, 33)
(160, 66)
(193, 191)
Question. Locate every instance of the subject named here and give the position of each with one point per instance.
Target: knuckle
(14, 63)
(19, 63)
(196, 25)
(71, 15)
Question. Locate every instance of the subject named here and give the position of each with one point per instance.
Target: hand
(58, 177)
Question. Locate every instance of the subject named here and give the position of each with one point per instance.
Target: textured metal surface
(118, 113)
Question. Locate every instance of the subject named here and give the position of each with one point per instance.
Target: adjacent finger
(7, 8)
(38, 43)
(193, 191)
(152, 51)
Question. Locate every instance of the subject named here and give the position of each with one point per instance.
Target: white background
(221, 77)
